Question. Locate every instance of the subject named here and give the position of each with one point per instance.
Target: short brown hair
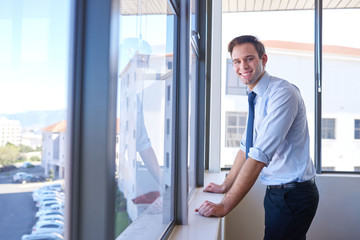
(259, 46)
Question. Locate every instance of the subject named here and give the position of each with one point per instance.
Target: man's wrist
(225, 206)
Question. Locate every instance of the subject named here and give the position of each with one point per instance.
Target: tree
(9, 154)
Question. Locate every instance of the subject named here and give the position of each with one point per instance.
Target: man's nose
(244, 65)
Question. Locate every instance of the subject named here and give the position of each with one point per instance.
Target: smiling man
(275, 146)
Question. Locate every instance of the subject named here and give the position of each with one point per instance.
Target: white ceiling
(279, 5)
(161, 6)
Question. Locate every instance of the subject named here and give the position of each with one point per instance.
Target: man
(278, 151)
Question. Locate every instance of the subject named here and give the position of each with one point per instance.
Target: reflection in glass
(144, 166)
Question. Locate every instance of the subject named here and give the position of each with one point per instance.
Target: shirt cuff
(242, 147)
(258, 155)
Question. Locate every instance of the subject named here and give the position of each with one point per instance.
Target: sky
(34, 52)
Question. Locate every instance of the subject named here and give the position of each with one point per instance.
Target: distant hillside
(37, 119)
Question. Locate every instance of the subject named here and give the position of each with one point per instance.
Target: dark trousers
(289, 212)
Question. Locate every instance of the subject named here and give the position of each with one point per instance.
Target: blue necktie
(250, 124)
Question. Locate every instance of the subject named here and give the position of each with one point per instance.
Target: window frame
(356, 129)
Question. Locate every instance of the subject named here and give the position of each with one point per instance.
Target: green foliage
(122, 219)
(51, 174)
(9, 154)
(24, 149)
(35, 159)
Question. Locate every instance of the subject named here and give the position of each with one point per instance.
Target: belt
(292, 184)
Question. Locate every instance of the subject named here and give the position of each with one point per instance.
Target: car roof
(42, 235)
(49, 222)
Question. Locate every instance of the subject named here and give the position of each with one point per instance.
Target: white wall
(337, 217)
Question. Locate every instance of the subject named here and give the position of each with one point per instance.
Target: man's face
(247, 64)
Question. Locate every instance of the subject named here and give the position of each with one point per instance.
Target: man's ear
(264, 59)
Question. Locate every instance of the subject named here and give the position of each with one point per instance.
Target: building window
(357, 129)
(328, 168)
(235, 127)
(234, 86)
(328, 128)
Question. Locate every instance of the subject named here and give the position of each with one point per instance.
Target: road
(17, 212)
(17, 208)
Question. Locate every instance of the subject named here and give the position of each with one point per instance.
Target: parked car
(31, 178)
(54, 186)
(27, 165)
(48, 199)
(42, 236)
(51, 205)
(42, 222)
(17, 176)
(42, 194)
(48, 226)
(49, 212)
(52, 217)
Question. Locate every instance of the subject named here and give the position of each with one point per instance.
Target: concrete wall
(338, 215)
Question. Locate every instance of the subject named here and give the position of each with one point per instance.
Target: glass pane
(144, 134)
(193, 72)
(290, 51)
(340, 101)
(192, 122)
(34, 53)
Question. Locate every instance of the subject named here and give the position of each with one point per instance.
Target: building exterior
(10, 131)
(54, 149)
(32, 139)
(145, 121)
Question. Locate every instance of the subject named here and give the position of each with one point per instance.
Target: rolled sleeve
(258, 155)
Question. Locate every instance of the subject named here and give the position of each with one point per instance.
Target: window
(34, 70)
(145, 116)
(328, 128)
(340, 60)
(234, 86)
(357, 129)
(285, 45)
(235, 127)
(325, 168)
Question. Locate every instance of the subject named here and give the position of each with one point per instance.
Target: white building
(31, 139)
(145, 92)
(54, 149)
(10, 131)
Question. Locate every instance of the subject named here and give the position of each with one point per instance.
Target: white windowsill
(148, 225)
(199, 227)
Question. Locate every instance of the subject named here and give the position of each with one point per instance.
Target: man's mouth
(245, 74)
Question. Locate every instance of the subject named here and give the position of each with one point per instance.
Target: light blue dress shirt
(281, 135)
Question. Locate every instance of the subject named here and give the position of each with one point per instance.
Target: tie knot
(251, 98)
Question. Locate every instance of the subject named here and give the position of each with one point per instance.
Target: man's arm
(229, 180)
(149, 158)
(243, 183)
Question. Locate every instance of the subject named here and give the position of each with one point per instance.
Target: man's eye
(249, 59)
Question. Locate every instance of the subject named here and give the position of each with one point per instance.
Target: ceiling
(280, 5)
(136, 7)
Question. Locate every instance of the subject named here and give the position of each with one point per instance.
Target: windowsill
(148, 225)
(199, 227)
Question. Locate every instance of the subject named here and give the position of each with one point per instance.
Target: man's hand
(209, 209)
(214, 188)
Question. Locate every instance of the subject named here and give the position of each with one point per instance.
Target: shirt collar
(262, 85)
